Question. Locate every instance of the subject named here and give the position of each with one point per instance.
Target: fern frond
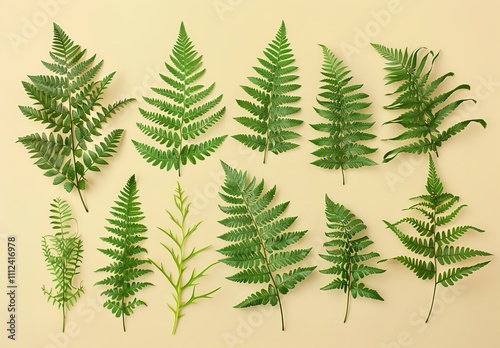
(342, 106)
(127, 232)
(63, 256)
(434, 246)
(182, 112)
(67, 102)
(423, 111)
(258, 236)
(343, 252)
(273, 104)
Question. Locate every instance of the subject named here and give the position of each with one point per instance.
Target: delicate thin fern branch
(127, 232)
(271, 106)
(181, 112)
(63, 256)
(342, 104)
(68, 103)
(344, 250)
(183, 282)
(258, 236)
(434, 242)
(424, 110)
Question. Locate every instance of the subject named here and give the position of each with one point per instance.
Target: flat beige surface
(135, 38)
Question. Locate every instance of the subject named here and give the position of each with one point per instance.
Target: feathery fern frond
(184, 281)
(63, 256)
(127, 232)
(433, 240)
(344, 251)
(342, 106)
(182, 113)
(272, 105)
(424, 111)
(68, 103)
(258, 238)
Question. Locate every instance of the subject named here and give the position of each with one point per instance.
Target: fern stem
(434, 223)
(433, 298)
(343, 175)
(348, 301)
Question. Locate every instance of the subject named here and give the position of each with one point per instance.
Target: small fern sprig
(271, 106)
(181, 112)
(63, 256)
(424, 111)
(181, 257)
(434, 242)
(127, 232)
(68, 103)
(344, 250)
(342, 105)
(258, 236)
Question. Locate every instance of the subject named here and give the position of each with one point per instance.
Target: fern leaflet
(342, 104)
(63, 256)
(182, 282)
(68, 103)
(258, 238)
(434, 241)
(181, 113)
(424, 111)
(127, 232)
(270, 110)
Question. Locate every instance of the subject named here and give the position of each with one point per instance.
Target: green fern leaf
(342, 106)
(68, 104)
(433, 244)
(126, 232)
(63, 255)
(182, 114)
(270, 111)
(343, 252)
(258, 236)
(423, 112)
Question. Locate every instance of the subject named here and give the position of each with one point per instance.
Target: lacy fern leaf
(127, 232)
(63, 256)
(342, 105)
(271, 108)
(258, 238)
(184, 281)
(344, 251)
(182, 114)
(424, 111)
(68, 103)
(433, 240)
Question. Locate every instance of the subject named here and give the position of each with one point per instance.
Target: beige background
(135, 38)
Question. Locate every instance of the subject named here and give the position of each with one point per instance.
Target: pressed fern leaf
(345, 252)
(273, 104)
(127, 232)
(184, 281)
(68, 103)
(432, 239)
(258, 237)
(342, 105)
(63, 256)
(182, 114)
(424, 110)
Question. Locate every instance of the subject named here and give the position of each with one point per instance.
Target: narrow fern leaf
(182, 112)
(258, 239)
(272, 102)
(435, 246)
(343, 250)
(67, 102)
(342, 104)
(423, 112)
(127, 232)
